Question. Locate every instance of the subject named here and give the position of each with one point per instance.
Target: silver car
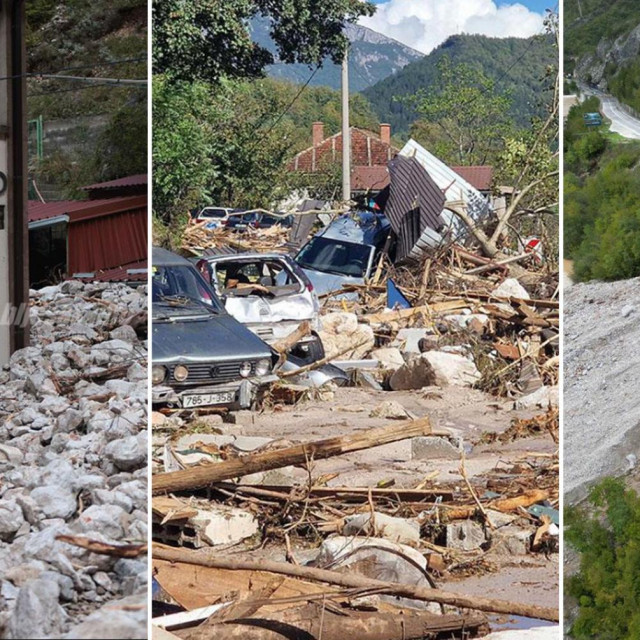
(269, 294)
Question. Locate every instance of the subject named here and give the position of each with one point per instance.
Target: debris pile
(420, 452)
(380, 548)
(199, 236)
(73, 455)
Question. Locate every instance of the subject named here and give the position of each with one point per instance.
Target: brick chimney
(385, 133)
(318, 133)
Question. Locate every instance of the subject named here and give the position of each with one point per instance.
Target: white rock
(393, 529)
(511, 288)
(224, 525)
(389, 357)
(451, 369)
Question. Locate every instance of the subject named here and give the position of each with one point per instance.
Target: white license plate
(206, 399)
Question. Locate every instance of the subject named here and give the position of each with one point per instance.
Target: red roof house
(370, 154)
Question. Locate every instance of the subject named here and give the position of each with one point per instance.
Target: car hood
(257, 309)
(326, 282)
(219, 337)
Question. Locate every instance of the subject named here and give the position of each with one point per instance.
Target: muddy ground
(465, 412)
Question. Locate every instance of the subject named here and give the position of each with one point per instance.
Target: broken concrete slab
(400, 530)
(408, 340)
(466, 535)
(436, 447)
(219, 524)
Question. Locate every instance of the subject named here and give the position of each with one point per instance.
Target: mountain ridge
(372, 57)
(517, 64)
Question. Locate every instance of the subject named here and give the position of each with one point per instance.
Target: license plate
(206, 399)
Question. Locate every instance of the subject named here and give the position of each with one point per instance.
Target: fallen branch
(203, 476)
(104, 548)
(353, 580)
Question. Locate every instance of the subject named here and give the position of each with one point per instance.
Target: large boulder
(340, 331)
(435, 368)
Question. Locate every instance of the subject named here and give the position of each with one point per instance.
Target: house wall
(107, 241)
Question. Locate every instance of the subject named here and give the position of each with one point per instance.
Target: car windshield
(335, 256)
(182, 286)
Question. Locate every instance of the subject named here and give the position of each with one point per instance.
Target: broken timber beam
(203, 476)
(353, 580)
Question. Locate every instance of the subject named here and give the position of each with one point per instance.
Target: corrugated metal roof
(480, 176)
(119, 274)
(129, 181)
(415, 203)
(453, 185)
(82, 209)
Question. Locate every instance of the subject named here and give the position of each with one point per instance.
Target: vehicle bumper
(244, 393)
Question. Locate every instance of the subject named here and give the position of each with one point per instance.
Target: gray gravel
(601, 371)
(73, 445)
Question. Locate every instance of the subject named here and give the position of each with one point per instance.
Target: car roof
(162, 257)
(362, 228)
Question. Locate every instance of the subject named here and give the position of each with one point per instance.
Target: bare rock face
(73, 419)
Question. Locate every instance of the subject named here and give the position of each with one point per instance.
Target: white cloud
(424, 24)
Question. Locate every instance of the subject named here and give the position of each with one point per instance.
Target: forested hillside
(586, 22)
(517, 65)
(602, 46)
(90, 39)
(602, 201)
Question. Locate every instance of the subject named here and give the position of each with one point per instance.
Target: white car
(215, 216)
(268, 293)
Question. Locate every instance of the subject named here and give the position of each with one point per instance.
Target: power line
(94, 79)
(284, 113)
(84, 88)
(35, 74)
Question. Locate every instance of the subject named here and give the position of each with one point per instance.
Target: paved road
(621, 122)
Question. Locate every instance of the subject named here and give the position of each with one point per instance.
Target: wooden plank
(206, 475)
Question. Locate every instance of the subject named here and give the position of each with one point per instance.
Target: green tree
(606, 533)
(465, 116)
(209, 39)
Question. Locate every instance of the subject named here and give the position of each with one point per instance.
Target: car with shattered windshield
(201, 355)
(344, 252)
(269, 293)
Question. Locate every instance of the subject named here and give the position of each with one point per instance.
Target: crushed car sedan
(201, 355)
(269, 293)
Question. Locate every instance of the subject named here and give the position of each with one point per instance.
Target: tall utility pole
(346, 137)
(14, 245)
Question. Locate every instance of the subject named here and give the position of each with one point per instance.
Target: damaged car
(268, 293)
(344, 252)
(201, 355)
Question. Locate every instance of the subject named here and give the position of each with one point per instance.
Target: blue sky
(424, 24)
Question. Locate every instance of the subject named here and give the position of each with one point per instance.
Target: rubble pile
(198, 237)
(73, 455)
(405, 535)
(457, 357)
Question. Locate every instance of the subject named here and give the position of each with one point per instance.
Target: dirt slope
(601, 369)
